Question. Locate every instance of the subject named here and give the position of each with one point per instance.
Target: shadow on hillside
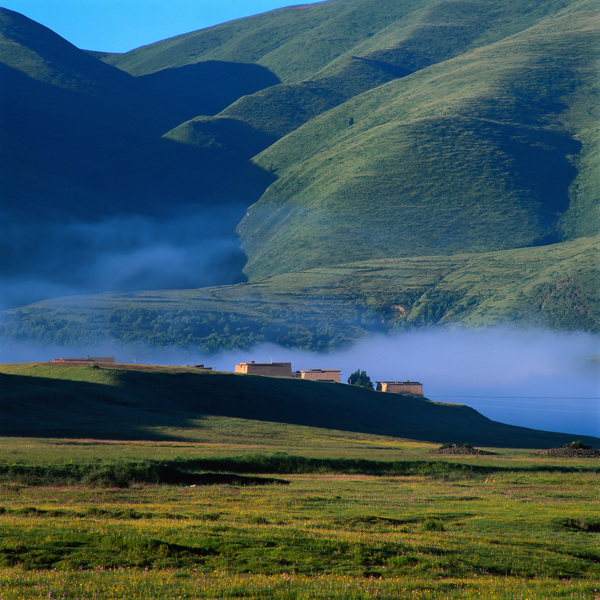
(170, 224)
(41, 407)
(123, 208)
(135, 401)
(206, 88)
(542, 164)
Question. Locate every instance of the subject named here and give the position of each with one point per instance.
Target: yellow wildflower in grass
(16, 584)
(323, 536)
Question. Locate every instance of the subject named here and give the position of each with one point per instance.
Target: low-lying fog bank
(539, 379)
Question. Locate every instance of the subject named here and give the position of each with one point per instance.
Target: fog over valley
(531, 378)
(186, 249)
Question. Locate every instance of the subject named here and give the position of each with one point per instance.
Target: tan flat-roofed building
(408, 388)
(87, 359)
(273, 369)
(321, 375)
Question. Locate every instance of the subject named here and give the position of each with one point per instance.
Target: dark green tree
(361, 379)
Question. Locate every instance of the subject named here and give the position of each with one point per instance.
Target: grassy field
(525, 528)
(266, 505)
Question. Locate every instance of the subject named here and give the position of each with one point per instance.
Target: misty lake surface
(576, 415)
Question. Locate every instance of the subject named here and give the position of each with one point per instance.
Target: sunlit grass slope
(332, 51)
(102, 402)
(401, 38)
(478, 132)
(490, 150)
(347, 40)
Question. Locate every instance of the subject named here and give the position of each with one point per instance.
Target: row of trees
(207, 331)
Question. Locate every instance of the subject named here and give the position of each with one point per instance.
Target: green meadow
(528, 529)
(237, 507)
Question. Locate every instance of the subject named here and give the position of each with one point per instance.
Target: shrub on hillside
(361, 379)
(577, 445)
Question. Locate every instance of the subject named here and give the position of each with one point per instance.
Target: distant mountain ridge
(337, 132)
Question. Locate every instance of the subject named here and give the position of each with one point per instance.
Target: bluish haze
(124, 253)
(122, 25)
(538, 379)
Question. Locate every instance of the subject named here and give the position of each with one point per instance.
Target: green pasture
(145, 482)
(521, 526)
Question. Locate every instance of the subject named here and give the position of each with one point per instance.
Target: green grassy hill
(489, 150)
(86, 172)
(65, 112)
(135, 403)
(553, 287)
(348, 132)
(414, 129)
(382, 41)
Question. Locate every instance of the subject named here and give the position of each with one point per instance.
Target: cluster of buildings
(284, 369)
(281, 369)
(85, 360)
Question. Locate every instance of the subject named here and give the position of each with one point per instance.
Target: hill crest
(130, 403)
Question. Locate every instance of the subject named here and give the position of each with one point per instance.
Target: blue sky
(121, 25)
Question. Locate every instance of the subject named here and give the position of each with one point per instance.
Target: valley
(408, 187)
(305, 140)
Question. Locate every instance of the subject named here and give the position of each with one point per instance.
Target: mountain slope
(68, 108)
(130, 403)
(475, 153)
(401, 39)
(85, 171)
(355, 130)
(458, 127)
(376, 41)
